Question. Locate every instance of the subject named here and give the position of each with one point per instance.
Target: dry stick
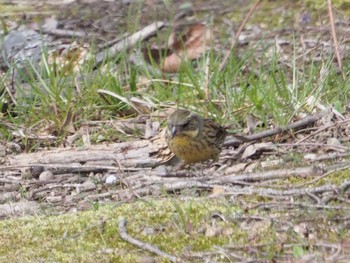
(153, 249)
(130, 41)
(338, 147)
(324, 175)
(73, 168)
(331, 156)
(10, 91)
(66, 33)
(334, 34)
(112, 42)
(268, 175)
(293, 126)
(291, 192)
(323, 128)
(287, 205)
(235, 39)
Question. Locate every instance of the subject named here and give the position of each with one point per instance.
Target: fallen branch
(285, 193)
(129, 41)
(293, 126)
(330, 171)
(287, 205)
(270, 175)
(66, 33)
(153, 249)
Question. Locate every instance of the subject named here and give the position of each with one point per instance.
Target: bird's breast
(192, 150)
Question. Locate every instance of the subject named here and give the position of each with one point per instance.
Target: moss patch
(176, 226)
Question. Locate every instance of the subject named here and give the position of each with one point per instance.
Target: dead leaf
(217, 191)
(252, 122)
(151, 129)
(163, 154)
(250, 167)
(142, 105)
(236, 168)
(257, 148)
(187, 47)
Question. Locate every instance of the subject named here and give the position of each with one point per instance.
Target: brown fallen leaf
(255, 149)
(189, 46)
(217, 191)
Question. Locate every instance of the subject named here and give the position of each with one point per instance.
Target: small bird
(194, 139)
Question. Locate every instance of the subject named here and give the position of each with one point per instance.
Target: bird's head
(184, 123)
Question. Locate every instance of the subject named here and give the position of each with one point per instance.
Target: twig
(234, 41)
(344, 186)
(269, 175)
(293, 126)
(325, 145)
(65, 33)
(334, 33)
(297, 204)
(321, 129)
(284, 193)
(324, 175)
(72, 168)
(11, 91)
(112, 42)
(51, 187)
(130, 41)
(153, 249)
(337, 124)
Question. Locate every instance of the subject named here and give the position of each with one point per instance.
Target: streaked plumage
(193, 138)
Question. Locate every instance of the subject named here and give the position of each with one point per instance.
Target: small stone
(310, 156)
(46, 176)
(161, 170)
(111, 179)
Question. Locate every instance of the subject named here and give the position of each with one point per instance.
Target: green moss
(175, 225)
(79, 236)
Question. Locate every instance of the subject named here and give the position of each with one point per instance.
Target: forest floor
(85, 91)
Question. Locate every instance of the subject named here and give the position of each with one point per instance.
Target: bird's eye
(185, 125)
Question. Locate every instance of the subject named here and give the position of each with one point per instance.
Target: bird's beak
(173, 131)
